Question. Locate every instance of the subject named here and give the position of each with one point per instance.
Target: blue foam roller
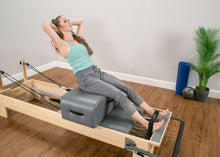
(182, 77)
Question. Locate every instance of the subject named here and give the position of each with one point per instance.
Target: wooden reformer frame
(9, 100)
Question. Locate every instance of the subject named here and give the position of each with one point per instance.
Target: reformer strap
(151, 124)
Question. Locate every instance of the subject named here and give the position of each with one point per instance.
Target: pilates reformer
(89, 114)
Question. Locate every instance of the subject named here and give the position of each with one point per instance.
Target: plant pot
(201, 95)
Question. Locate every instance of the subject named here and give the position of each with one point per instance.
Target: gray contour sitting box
(85, 108)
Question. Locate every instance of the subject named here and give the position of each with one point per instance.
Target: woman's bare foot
(158, 125)
(145, 123)
(162, 114)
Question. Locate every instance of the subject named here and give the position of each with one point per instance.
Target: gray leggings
(94, 80)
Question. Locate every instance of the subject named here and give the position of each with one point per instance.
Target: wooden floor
(23, 136)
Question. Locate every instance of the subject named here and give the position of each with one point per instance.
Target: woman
(90, 78)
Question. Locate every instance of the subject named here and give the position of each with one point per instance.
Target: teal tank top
(78, 57)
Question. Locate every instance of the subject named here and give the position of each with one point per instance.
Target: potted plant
(207, 42)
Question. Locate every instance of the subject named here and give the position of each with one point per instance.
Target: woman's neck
(67, 36)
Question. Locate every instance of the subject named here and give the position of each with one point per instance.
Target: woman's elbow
(82, 20)
(44, 24)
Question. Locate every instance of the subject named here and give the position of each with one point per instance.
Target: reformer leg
(3, 112)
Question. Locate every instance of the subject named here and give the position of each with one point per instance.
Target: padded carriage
(85, 108)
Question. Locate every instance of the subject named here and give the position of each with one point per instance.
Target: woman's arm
(80, 23)
(51, 30)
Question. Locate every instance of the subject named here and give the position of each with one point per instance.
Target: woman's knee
(120, 97)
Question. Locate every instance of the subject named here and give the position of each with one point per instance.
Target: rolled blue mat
(182, 77)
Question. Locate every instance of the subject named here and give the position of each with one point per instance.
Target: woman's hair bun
(53, 21)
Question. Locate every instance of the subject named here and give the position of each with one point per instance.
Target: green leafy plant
(207, 42)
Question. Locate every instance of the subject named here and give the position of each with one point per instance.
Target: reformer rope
(12, 79)
(58, 84)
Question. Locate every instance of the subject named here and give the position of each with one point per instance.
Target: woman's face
(65, 24)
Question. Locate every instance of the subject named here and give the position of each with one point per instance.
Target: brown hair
(79, 39)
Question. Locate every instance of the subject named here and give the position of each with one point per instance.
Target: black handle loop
(151, 124)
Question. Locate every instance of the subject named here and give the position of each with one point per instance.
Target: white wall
(139, 37)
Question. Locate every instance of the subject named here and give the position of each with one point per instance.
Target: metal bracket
(130, 142)
(131, 145)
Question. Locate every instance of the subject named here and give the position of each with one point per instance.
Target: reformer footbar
(111, 129)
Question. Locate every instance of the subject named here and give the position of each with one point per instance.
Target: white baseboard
(121, 76)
